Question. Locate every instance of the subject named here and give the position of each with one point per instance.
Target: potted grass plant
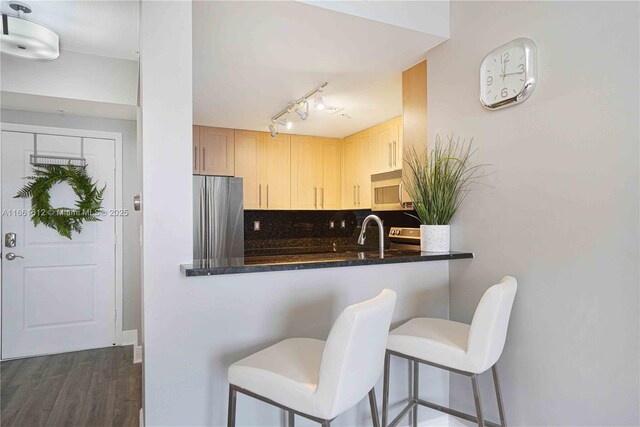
(437, 182)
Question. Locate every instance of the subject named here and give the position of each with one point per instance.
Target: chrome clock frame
(530, 70)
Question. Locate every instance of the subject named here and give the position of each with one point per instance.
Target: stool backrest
(353, 356)
(489, 325)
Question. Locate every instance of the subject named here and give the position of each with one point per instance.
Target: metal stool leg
(374, 408)
(326, 423)
(503, 420)
(476, 398)
(385, 389)
(292, 421)
(231, 414)
(416, 381)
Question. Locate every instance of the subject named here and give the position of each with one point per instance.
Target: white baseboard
(137, 354)
(131, 338)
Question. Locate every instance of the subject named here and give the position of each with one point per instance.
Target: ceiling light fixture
(302, 110)
(319, 103)
(273, 129)
(27, 39)
(300, 106)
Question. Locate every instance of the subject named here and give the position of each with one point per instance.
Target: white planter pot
(435, 238)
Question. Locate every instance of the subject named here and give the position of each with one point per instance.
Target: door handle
(203, 166)
(137, 202)
(11, 256)
(195, 158)
(395, 154)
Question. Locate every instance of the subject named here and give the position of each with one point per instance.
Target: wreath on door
(62, 219)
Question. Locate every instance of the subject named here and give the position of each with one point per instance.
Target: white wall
(562, 215)
(73, 75)
(166, 120)
(131, 305)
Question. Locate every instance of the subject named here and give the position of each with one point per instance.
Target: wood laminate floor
(100, 387)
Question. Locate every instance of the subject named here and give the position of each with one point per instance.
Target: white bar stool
(457, 347)
(315, 379)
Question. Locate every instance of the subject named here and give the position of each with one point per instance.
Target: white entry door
(60, 296)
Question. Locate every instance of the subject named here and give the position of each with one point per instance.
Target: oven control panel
(405, 235)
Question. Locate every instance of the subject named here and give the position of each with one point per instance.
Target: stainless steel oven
(388, 192)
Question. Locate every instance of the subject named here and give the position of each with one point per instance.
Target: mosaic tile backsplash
(280, 230)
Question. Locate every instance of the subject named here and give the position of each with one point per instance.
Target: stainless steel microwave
(388, 192)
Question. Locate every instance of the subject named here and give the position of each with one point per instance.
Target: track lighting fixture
(319, 103)
(300, 106)
(273, 130)
(302, 110)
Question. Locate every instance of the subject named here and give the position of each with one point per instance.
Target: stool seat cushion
(439, 341)
(286, 372)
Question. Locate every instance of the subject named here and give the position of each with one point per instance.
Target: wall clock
(508, 74)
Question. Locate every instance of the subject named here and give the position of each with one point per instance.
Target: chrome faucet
(380, 232)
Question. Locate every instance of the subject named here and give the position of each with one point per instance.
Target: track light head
(319, 103)
(302, 110)
(286, 123)
(273, 130)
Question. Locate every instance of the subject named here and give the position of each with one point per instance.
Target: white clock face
(505, 75)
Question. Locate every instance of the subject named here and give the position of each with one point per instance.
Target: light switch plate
(256, 225)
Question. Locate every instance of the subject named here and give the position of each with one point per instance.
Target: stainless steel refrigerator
(218, 217)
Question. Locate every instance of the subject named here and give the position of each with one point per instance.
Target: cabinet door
(350, 169)
(364, 171)
(381, 148)
(398, 162)
(329, 154)
(216, 151)
(275, 169)
(196, 150)
(247, 148)
(304, 172)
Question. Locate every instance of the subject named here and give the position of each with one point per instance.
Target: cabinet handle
(390, 155)
(395, 154)
(315, 197)
(358, 195)
(322, 198)
(354, 195)
(195, 158)
(260, 196)
(203, 166)
(267, 196)
(400, 194)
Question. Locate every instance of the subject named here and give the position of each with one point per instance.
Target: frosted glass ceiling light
(27, 39)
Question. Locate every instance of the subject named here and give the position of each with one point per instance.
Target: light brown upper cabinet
(214, 150)
(356, 171)
(274, 169)
(386, 144)
(315, 173)
(414, 106)
(247, 153)
(264, 164)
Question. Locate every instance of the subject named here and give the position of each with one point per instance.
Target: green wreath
(63, 220)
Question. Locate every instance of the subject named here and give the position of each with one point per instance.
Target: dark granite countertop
(286, 260)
